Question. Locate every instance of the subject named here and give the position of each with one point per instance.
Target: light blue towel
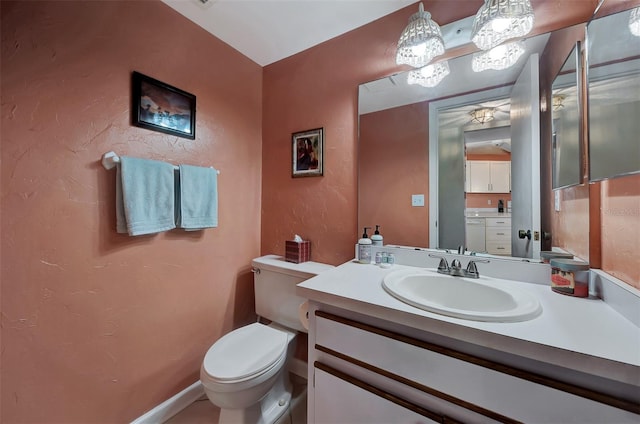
(145, 196)
(198, 198)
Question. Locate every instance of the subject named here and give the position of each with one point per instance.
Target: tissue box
(297, 252)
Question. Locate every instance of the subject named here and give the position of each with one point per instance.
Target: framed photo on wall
(308, 152)
(160, 107)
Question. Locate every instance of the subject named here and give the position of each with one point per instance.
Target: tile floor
(204, 412)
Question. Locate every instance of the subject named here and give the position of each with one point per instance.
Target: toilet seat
(245, 354)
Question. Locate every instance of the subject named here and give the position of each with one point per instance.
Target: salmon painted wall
(319, 88)
(620, 219)
(393, 164)
(99, 327)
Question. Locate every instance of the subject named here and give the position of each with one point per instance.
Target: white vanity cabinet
(488, 176)
(360, 372)
(498, 236)
(488, 234)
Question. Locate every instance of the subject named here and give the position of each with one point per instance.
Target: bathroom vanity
(374, 358)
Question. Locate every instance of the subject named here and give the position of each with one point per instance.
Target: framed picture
(160, 107)
(308, 150)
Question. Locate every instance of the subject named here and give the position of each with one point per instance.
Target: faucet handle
(443, 265)
(472, 269)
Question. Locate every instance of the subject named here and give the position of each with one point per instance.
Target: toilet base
(268, 410)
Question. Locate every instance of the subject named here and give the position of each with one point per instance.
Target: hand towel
(147, 203)
(198, 198)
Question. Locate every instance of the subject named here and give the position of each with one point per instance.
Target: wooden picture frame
(161, 107)
(308, 153)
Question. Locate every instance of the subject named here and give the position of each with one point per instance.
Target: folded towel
(198, 198)
(145, 200)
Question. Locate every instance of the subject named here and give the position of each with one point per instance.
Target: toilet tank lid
(278, 264)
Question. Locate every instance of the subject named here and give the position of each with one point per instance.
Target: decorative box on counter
(297, 251)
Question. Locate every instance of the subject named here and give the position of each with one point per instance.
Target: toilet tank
(275, 283)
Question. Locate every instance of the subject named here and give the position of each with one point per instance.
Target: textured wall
(621, 228)
(99, 327)
(394, 164)
(319, 88)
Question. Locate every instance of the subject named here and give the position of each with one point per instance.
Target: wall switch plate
(417, 200)
(488, 201)
(556, 198)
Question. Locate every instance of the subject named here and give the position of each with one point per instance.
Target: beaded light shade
(498, 58)
(634, 22)
(430, 75)
(420, 41)
(557, 101)
(501, 20)
(482, 115)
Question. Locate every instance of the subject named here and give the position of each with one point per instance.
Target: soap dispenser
(376, 238)
(364, 248)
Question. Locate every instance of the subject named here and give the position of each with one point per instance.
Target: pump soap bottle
(364, 248)
(376, 238)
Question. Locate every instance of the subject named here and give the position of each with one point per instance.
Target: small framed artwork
(308, 151)
(160, 107)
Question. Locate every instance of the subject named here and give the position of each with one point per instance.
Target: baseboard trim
(172, 406)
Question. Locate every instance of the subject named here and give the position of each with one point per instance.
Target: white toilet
(244, 372)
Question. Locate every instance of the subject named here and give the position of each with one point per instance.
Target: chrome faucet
(456, 270)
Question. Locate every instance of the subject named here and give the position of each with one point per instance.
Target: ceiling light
(482, 115)
(498, 58)
(430, 75)
(420, 41)
(557, 101)
(501, 20)
(634, 22)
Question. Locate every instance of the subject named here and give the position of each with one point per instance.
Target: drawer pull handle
(500, 248)
(500, 234)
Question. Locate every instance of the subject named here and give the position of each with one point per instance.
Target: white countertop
(469, 214)
(582, 334)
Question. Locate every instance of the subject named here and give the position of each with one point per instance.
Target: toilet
(244, 372)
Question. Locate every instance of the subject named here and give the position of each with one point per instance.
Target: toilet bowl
(244, 372)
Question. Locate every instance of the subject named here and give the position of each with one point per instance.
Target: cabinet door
(341, 401)
(500, 177)
(479, 176)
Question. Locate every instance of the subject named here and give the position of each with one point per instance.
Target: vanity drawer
(495, 247)
(499, 222)
(479, 385)
(498, 234)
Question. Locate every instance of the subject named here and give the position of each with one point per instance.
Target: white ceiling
(267, 31)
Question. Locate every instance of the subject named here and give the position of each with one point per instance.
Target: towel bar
(110, 159)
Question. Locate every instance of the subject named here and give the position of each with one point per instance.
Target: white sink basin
(482, 299)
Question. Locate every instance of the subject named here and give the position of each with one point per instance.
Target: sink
(483, 299)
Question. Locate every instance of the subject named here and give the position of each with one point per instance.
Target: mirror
(614, 97)
(566, 127)
(397, 121)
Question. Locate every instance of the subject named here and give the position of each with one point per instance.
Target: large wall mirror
(402, 174)
(614, 96)
(414, 149)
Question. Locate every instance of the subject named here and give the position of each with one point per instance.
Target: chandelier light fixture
(420, 41)
(557, 101)
(482, 115)
(430, 75)
(498, 58)
(500, 20)
(634, 22)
